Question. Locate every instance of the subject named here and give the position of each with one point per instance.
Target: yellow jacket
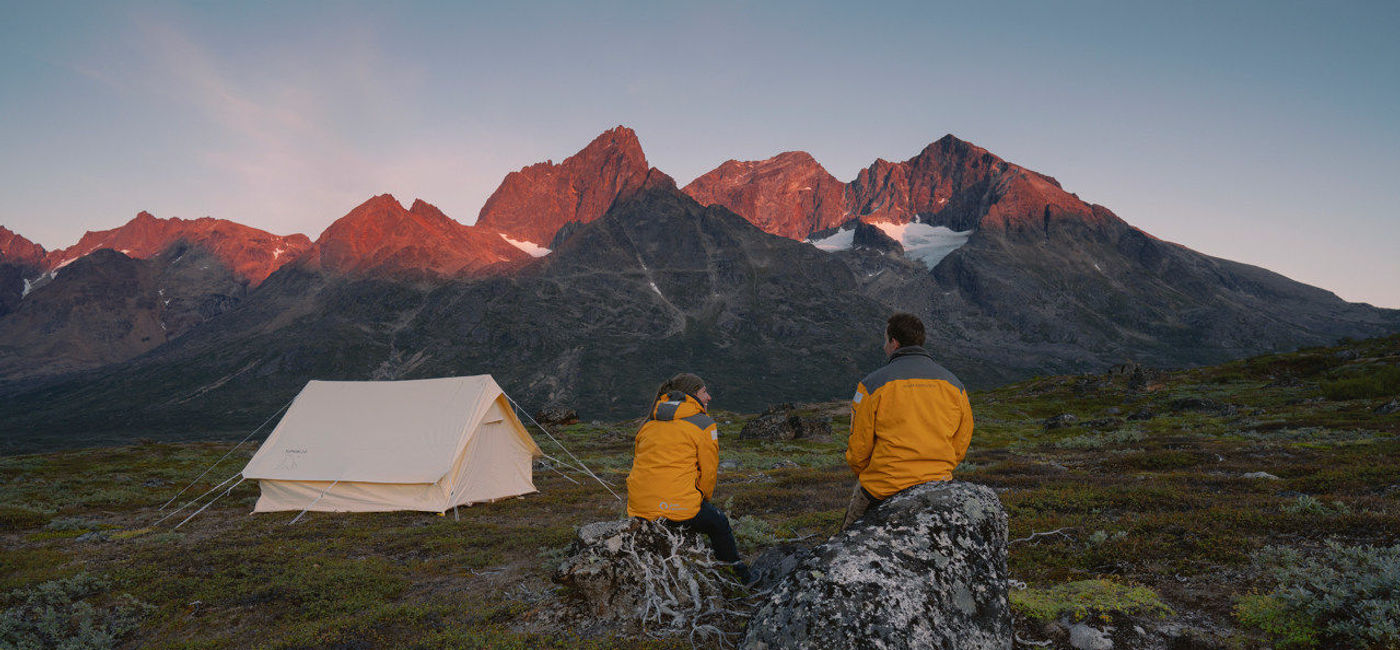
(910, 423)
(674, 462)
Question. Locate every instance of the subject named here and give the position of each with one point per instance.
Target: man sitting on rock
(674, 467)
(910, 421)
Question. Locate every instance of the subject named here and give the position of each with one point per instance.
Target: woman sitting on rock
(674, 467)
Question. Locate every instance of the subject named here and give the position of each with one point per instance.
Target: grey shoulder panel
(700, 420)
(910, 367)
(667, 410)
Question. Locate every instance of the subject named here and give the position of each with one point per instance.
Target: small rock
(1061, 420)
(1196, 404)
(94, 536)
(728, 464)
(155, 483)
(1141, 414)
(1113, 410)
(1263, 475)
(1085, 637)
(1347, 355)
(1103, 423)
(1388, 407)
(783, 464)
(776, 563)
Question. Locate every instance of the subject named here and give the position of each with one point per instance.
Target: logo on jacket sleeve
(856, 399)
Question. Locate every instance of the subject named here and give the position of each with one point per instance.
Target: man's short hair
(905, 328)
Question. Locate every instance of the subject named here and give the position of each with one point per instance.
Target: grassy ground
(1160, 502)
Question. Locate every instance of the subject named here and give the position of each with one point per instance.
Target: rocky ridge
(252, 254)
(380, 237)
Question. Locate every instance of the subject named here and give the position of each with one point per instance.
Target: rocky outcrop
(871, 238)
(781, 422)
(950, 183)
(107, 307)
(15, 249)
(556, 415)
(927, 569)
(789, 195)
(379, 237)
(532, 204)
(20, 261)
(252, 254)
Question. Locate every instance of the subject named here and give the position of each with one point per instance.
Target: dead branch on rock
(1057, 531)
(683, 587)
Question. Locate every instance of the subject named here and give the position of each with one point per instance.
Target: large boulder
(927, 569)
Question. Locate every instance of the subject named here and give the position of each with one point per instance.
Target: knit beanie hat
(687, 383)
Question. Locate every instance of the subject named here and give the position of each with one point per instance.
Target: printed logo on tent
(289, 458)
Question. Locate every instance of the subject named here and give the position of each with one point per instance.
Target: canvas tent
(424, 444)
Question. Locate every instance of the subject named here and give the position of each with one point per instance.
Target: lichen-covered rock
(927, 569)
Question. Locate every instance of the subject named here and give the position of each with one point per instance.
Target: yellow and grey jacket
(674, 462)
(910, 423)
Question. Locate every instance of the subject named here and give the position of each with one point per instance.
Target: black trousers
(714, 525)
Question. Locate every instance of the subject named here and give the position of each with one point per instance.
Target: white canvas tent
(425, 444)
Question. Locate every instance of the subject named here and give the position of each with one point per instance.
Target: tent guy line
(230, 452)
(566, 449)
(211, 501)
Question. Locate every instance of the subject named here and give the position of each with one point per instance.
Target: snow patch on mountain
(928, 244)
(838, 242)
(27, 288)
(531, 248)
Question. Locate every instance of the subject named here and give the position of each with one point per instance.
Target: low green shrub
(20, 518)
(1086, 599)
(62, 614)
(1372, 381)
(1311, 505)
(753, 533)
(1342, 596)
(1101, 440)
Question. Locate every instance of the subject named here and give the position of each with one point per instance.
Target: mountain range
(588, 281)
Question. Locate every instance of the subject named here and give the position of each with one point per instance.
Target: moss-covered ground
(1142, 504)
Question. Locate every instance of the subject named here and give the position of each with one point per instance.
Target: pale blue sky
(1264, 132)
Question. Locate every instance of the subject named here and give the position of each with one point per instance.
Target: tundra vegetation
(1259, 499)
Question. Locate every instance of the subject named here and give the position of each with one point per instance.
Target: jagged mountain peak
(531, 205)
(790, 194)
(380, 237)
(15, 249)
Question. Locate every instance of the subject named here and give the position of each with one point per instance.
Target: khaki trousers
(860, 502)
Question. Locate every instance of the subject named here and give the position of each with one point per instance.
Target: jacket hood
(674, 406)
